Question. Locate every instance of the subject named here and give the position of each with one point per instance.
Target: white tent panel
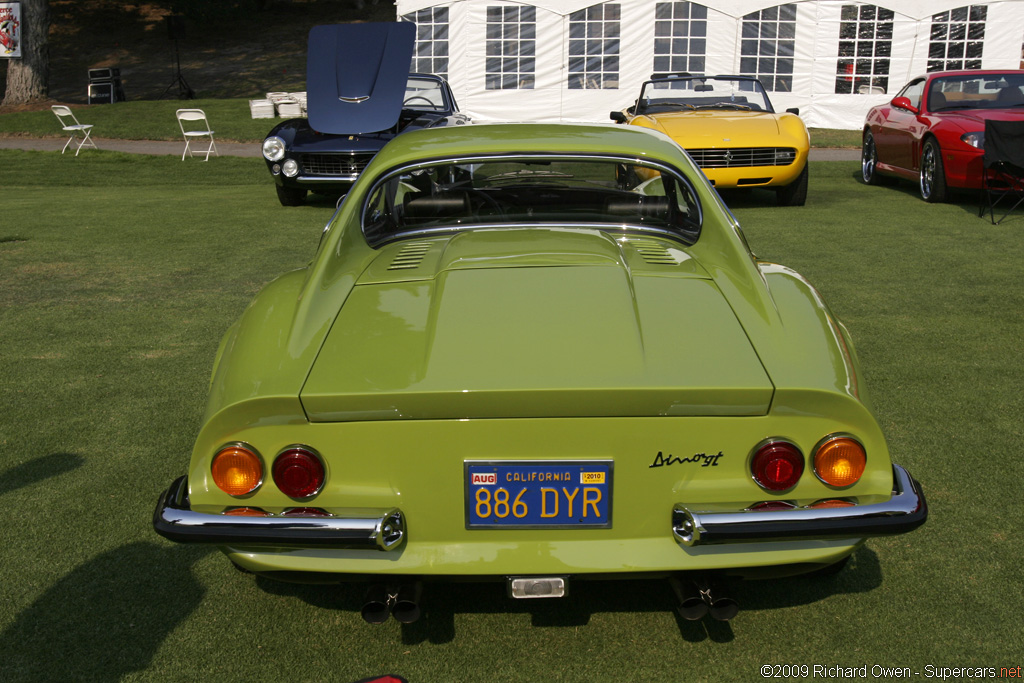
(822, 62)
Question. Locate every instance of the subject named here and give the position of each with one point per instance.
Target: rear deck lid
(586, 327)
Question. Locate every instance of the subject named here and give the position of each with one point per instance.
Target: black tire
(933, 176)
(869, 161)
(289, 196)
(794, 194)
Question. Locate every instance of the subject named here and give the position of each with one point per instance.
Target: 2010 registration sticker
(538, 494)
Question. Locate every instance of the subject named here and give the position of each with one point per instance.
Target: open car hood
(356, 76)
(583, 326)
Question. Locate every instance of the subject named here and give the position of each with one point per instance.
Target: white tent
(574, 60)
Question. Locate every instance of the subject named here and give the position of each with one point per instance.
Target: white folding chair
(71, 125)
(195, 130)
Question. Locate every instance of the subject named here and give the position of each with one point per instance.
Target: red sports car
(933, 131)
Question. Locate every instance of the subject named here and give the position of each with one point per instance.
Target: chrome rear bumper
(904, 512)
(373, 528)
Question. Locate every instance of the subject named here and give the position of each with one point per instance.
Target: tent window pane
(689, 19)
(431, 51)
(870, 73)
(600, 24)
(771, 32)
(949, 35)
(518, 27)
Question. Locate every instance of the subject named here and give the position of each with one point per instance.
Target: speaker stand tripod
(185, 91)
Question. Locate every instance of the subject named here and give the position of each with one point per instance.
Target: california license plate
(538, 494)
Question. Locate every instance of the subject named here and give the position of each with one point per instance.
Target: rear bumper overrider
(904, 511)
(360, 528)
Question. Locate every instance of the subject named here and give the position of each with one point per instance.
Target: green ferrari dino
(537, 354)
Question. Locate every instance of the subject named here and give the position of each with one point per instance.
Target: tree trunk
(28, 77)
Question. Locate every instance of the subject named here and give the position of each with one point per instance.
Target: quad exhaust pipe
(702, 596)
(402, 602)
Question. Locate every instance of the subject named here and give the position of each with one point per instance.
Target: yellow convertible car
(729, 127)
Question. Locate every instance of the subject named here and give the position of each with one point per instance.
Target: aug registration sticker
(538, 494)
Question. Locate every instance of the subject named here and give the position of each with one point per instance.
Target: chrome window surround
(497, 158)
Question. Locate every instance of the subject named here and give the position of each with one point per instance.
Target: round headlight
(777, 465)
(273, 148)
(290, 168)
(237, 469)
(839, 461)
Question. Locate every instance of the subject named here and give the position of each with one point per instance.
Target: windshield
(681, 94)
(424, 93)
(608, 193)
(977, 91)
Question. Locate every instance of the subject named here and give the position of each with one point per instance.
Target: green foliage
(118, 276)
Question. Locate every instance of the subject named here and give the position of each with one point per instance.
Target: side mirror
(904, 103)
(793, 110)
(617, 117)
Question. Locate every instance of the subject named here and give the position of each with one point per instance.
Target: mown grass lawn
(119, 274)
(230, 118)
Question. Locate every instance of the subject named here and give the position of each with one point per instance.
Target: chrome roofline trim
(904, 511)
(361, 528)
(618, 228)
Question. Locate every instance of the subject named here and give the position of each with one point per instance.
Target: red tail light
(777, 465)
(298, 472)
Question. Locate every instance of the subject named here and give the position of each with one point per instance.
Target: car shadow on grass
(37, 470)
(970, 201)
(105, 619)
(442, 601)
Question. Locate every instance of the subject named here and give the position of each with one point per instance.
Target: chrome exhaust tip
(692, 606)
(376, 605)
(721, 606)
(406, 609)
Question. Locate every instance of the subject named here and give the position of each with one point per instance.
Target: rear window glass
(454, 195)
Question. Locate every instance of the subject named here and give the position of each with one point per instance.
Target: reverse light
(839, 461)
(832, 503)
(237, 469)
(273, 148)
(975, 139)
(769, 505)
(298, 472)
(305, 512)
(777, 465)
(245, 512)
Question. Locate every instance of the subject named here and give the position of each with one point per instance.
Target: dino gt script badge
(705, 460)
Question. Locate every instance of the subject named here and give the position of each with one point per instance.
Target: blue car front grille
(343, 164)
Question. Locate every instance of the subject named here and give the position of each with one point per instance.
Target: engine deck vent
(654, 253)
(410, 256)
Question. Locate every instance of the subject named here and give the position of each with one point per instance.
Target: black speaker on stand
(176, 31)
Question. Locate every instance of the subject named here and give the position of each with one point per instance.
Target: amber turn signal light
(839, 461)
(237, 469)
